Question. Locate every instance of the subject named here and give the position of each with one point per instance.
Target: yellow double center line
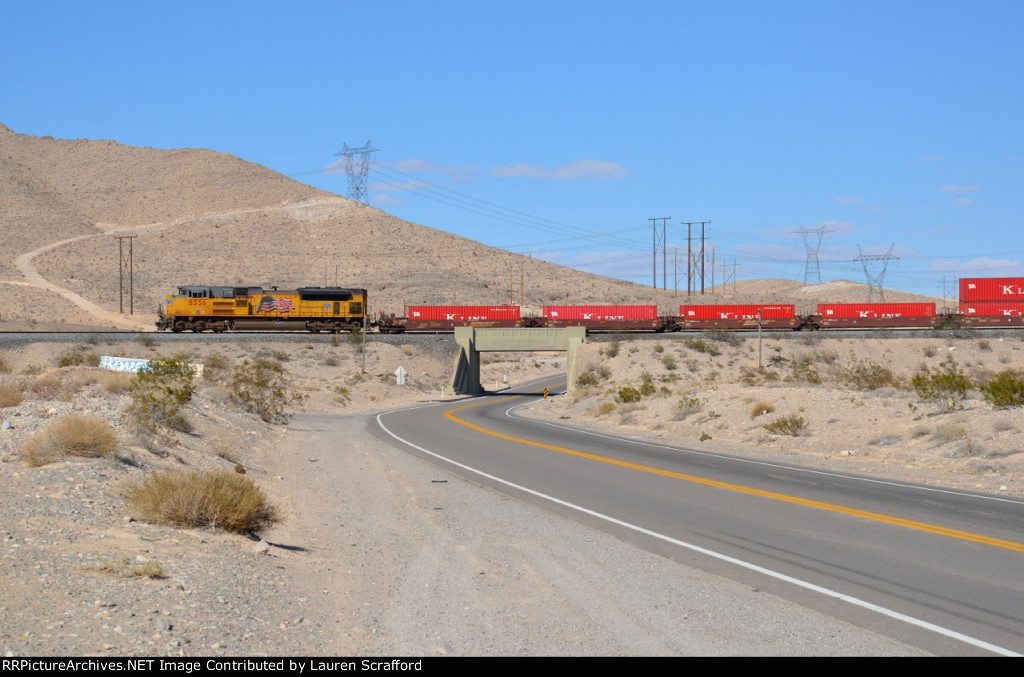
(878, 517)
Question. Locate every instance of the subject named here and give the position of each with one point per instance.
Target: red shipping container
(737, 312)
(876, 310)
(992, 289)
(462, 313)
(1006, 308)
(601, 313)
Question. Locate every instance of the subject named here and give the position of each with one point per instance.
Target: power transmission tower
(875, 281)
(812, 243)
(664, 252)
(357, 176)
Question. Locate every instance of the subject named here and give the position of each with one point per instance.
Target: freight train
(985, 303)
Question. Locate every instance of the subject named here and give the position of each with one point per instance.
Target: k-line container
(603, 318)
(992, 289)
(738, 312)
(601, 312)
(876, 310)
(462, 313)
(1002, 308)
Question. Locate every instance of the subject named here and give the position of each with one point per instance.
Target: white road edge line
(946, 632)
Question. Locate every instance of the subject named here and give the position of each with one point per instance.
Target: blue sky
(560, 128)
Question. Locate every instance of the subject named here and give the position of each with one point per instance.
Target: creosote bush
(761, 408)
(1005, 389)
(628, 394)
(701, 345)
(946, 385)
(78, 357)
(688, 404)
(71, 436)
(158, 396)
(261, 387)
(787, 425)
(867, 375)
(225, 500)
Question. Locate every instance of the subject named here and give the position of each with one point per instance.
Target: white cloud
(847, 200)
(386, 200)
(427, 167)
(929, 158)
(954, 189)
(963, 202)
(982, 264)
(573, 171)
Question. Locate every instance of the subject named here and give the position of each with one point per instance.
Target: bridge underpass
(473, 340)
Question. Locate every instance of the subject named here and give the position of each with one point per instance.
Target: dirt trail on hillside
(24, 262)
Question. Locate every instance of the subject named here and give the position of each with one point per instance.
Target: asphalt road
(936, 569)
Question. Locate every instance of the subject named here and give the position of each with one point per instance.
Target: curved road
(936, 569)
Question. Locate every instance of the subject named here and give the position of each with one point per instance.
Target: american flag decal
(281, 305)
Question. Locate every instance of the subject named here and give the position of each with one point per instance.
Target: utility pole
(691, 264)
(127, 264)
(654, 252)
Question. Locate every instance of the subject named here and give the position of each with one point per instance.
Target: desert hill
(202, 217)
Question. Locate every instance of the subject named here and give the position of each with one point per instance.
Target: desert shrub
(787, 425)
(158, 395)
(802, 369)
(829, 357)
(612, 349)
(214, 367)
(688, 404)
(701, 345)
(647, 384)
(78, 357)
(10, 395)
(628, 394)
(721, 336)
(44, 387)
(114, 382)
(950, 432)
(930, 351)
(761, 408)
(602, 409)
(984, 344)
(592, 376)
(4, 367)
(864, 374)
(225, 500)
(261, 387)
(147, 340)
(1005, 389)
(71, 436)
(125, 567)
(658, 348)
(946, 385)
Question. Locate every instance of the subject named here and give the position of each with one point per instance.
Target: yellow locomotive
(201, 307)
